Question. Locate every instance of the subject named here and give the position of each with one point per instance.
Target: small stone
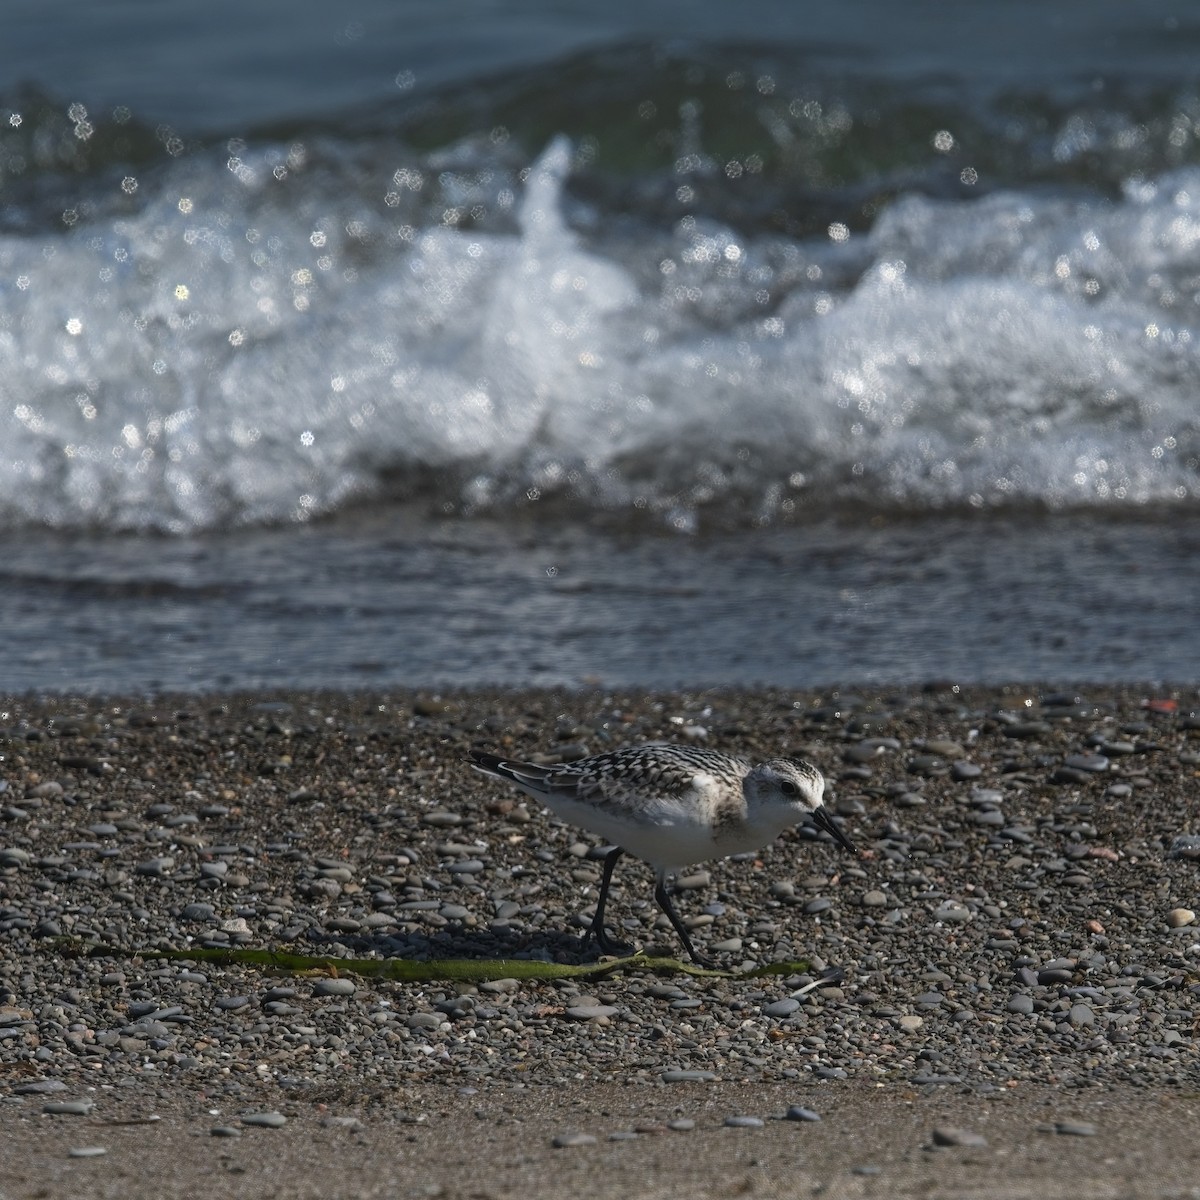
(1049, 975)
(86, 1151)
(949, 1135)
(332, 1122)
(591, 1012)
(69, 1108)
(1081, 1014)
(40, 1087)
(682, 1125)
(563, 1140)
(874, 899)
(334, 987)
(229, 1131)
(945, 748)
(910, 1022)
(425, 1021)
(744, 1122)
(952, 911)
(155, 866)
(1075, 1128)
(1086, 762)
(268, 1120)
(1177, 918)
(1018, 1002)
(781, 1008)
(797, 1112)
(688, 1076)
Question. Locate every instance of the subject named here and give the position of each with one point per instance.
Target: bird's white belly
(666, 837)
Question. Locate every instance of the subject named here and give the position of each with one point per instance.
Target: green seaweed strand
(399, 970)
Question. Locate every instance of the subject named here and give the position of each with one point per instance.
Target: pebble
(744, 1122)
(686, 1076)
(591, 1012)
(682, 1125)
(564, 1140)
(225, 1131)
(954, 912)
(781, 1008)
(949, 1135)
(1179, 917)
(1075, 1128)
(86, 1151)
(797, 1112)
(268, 1120)
(69, 1108)
(335, 987)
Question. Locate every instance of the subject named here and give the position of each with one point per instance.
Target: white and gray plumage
(672, 806)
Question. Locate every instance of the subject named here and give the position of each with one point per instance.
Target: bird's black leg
(664, 902)
(597, 929)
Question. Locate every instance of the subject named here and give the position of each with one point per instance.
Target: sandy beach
(1017, 941)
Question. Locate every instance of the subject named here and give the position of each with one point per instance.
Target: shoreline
(1014, 954)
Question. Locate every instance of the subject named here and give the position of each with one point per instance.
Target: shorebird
(671, 806)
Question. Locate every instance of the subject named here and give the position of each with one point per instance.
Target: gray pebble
(744, 1122)
(155, 866)
(225, 1131)
(682, 1125)
(781, 1008)
(87, 1151)
(40, 1087)
(69, 1108)
(563, 1140)
(1081, 1014)
(797, 1112)
(681, 1076)
(590, 1012)
(268, 1120)
(334, 987)
(949, 1135)
(952, 911)
(1075, 1128)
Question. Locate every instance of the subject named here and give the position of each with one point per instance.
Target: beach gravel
(1024, 930)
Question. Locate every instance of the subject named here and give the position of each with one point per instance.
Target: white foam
(238, 351)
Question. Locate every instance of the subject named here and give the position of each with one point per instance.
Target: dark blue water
(652, 343)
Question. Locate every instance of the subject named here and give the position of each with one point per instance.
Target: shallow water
(383, 603)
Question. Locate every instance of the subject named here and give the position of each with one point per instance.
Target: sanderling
(672, 806)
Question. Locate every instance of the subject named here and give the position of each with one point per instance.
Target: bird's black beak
(831, 827)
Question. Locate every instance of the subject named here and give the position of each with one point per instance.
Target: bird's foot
(606, 945)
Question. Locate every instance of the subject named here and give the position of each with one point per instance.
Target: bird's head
(794, 787)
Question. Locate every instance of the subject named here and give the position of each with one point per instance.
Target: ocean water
(524, 343)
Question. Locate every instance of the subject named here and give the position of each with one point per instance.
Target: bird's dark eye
(788, 788)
